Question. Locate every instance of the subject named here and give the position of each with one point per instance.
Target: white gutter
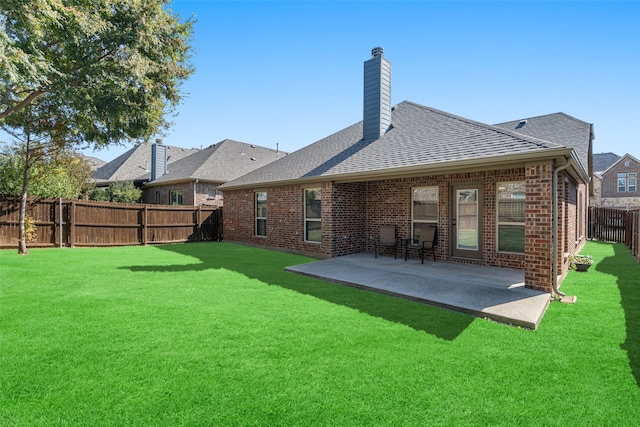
(423, 169)
(554, 227)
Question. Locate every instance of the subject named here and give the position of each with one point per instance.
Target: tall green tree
(124, 192)
(88, 73)
(66, 175)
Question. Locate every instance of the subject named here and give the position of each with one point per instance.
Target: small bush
(30, 229)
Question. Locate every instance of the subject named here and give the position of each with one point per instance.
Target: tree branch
(22, 104)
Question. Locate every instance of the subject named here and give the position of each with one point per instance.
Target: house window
(622, 182)
(175, 197)
(313, 215)
(424, 210)
(157, 197)
(261, 213)
(511, 199)
(632, 183)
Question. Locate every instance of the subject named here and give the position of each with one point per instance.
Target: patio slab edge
(498, 313)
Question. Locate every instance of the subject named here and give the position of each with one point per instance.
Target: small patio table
(407, 242)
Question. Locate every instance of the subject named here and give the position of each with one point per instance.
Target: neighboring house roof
(560, 128)
(421, 139)
(621, 159)
(220, 162)
(94, 162)
(602, 161)
(136, 163)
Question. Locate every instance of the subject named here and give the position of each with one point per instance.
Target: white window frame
(504, 223)
(622, 188)
(423, 221)
(177, 193)
(258, 215)
(632, 177)
(308, 220)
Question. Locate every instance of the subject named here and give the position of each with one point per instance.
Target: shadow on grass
(624, 267)
(268, 267)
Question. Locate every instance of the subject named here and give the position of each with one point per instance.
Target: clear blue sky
(290, 72)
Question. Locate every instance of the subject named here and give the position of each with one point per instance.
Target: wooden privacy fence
(633, 241)
(87, 223)
(616, 225)
(607, 224)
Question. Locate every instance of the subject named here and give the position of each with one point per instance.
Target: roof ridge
(559, 113)
(524, 138)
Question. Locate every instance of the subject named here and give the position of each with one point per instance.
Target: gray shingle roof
(560, 128)
(136, 163)
(220, 162)
(602, 161)
(94, 162)
(420, 136)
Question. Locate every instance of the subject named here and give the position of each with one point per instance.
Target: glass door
(466, 221)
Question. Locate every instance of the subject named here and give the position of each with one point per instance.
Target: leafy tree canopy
(65, 175)
(124, 192)
(87, 73)
(96, 72)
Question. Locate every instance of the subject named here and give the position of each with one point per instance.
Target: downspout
(195, 183)
(554, 227)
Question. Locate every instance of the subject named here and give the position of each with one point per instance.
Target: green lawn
(217, 334)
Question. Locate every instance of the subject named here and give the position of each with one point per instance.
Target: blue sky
(290, 72)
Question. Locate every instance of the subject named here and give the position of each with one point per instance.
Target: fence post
(199, 224)
(60, 221)
(72, 224)
(144, 225)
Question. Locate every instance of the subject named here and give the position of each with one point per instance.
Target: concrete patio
(488, 292)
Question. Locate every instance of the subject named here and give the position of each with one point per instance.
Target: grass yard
(217, 334)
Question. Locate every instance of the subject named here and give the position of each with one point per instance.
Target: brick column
(538, 227)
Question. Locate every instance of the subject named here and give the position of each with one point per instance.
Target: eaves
(559, 156)
(158, 183)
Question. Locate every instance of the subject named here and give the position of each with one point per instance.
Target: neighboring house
(512, 195)
(616, 184)
(193, 180)
(135, 164)
(179, 176)
(94, 162)
(601, 162)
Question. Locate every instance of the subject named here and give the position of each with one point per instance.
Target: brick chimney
(377, 95)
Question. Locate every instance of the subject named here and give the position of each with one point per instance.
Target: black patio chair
(427, 242)
(387, 238)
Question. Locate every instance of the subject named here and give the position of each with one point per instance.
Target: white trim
(498, 223)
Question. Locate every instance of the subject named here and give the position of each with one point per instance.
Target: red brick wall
(285, 219)
(354, 212)
(389, 203)
(348, 235)
(202, 194)
(538, 227)
(609, 186)
(149, 193)
(572, 205)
